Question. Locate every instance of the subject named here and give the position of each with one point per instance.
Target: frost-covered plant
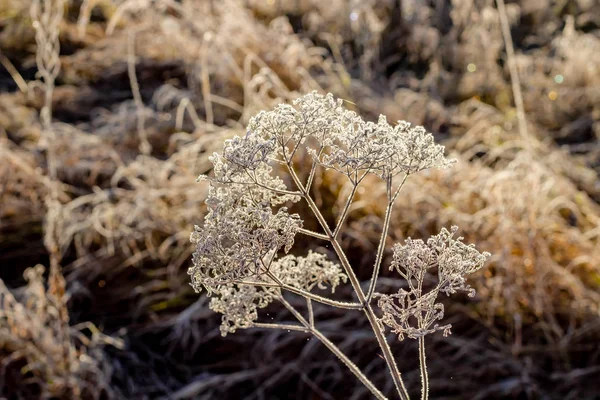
(241, 255)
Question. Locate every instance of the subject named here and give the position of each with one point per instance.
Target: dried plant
(122, 219)
(52, 364)
(238, 257)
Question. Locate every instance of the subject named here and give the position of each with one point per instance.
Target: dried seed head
(413, 312)
(239, 305)
(307, 272)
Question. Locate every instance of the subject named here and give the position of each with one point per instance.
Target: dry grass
(122, 216)
(42, 355)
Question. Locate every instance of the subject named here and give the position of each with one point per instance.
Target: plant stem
(423, 364)
(514, 73)
(368, 310)
(289, 327)
(353, 368)
(384, 233)
(380, 248)
(344, 213)
(317, 235)
(14, 73)
(313, 169)
(305, 294)
(311, 313)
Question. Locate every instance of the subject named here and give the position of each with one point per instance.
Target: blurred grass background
(121, 321)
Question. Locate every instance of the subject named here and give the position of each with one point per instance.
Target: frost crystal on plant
(384, 149)
(455, 260)
(238, 238)
(413, 312)
(307, 272)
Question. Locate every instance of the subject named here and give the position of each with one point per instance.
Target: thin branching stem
(384, 233)
(317, 213)
(289, 327)
(344, 213)
(423, 365)
(293, 310)
(316, 297)
(313, 170)
(257, 284)
(303, 293)
(323, 300)
(353, 368)
(279, 191)
(314, 234)
(274, 190)
(399, 188)
(368, 310)
(311, 313)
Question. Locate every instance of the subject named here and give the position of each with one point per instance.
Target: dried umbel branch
(239, 303)
(414, 312)
(240, 250)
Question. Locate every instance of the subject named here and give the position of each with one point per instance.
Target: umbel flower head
(239, 304)
(338, 138)
(413, 312)
(383, 149)
(248, 226)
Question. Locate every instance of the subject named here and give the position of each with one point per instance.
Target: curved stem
(423, 365)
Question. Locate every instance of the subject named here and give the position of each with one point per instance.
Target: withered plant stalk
(237, 258)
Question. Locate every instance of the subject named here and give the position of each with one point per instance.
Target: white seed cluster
(383, 149)
(239, 305)
(307, 272)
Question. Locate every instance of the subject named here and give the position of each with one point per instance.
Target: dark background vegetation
(121, 321)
